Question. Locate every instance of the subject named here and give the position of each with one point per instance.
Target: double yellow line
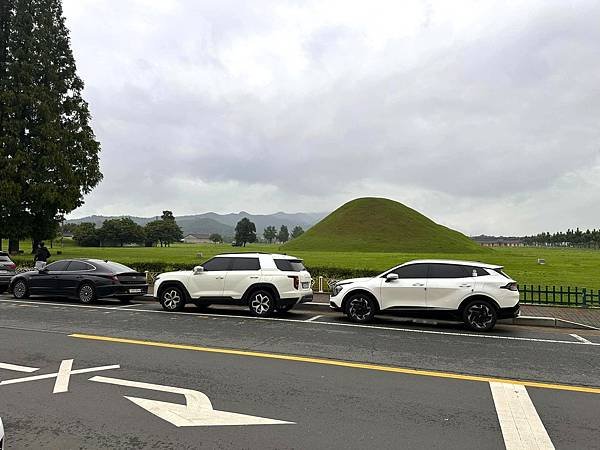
(333, 362)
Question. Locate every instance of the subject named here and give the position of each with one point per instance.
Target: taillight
(511, 287)
(296, 281)
(12, 266)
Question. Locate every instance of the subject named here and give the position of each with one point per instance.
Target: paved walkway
(586, 316)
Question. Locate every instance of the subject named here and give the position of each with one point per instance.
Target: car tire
(124, 299)
(480, 315)
(172, 299)
(361, 308)
(285, 308)
(262, 303)
(87, 293)
(20, 289)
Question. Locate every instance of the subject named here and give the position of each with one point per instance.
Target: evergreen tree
(270, 233)
(284, 234)
(245, 231)
(297, 231)
(48, 151)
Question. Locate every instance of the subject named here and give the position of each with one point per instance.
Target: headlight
(337, 289)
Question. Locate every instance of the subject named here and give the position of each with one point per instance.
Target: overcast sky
(483, 115)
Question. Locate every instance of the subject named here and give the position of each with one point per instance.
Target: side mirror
(198, 269)
(391, 277)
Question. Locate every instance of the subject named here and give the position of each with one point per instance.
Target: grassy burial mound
(381, 225)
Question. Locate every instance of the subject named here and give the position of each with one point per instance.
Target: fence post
(583, 298)
(147, 280)
(320, 284)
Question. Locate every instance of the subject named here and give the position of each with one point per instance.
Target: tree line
(245, 232)
(570, 238)
(123, 231)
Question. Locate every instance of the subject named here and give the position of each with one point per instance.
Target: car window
(58, 266)
(412, 271)
(216, 264)
(289, 265)
(481, 272)
(116, 267)
(449, 271)
(245, 264)
(80, 265)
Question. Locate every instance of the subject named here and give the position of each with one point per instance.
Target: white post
(320, 284)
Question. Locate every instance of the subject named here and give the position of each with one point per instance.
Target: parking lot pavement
(393, 384)
(147, 396)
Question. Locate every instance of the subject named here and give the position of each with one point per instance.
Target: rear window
(245, 264)
(4, 258)
(290, 265)
(499, 270)
(116, 267)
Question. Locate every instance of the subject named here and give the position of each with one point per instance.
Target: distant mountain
(223, 224)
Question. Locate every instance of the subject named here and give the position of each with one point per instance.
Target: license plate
(135, 291)
(305, 285)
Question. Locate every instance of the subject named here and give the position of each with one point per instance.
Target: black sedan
(85, 279)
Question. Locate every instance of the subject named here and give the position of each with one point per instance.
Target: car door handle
(419, 284)
(255, 277)
(465, 285)
(220, 278)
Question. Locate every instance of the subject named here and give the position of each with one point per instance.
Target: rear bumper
(5, 279)
(295, 301)
(122, 290)
(509, 313)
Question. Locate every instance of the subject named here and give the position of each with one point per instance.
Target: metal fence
(559, 296)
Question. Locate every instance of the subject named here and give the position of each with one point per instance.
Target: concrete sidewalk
(584, 316)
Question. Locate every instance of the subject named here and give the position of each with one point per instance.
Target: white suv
(473, 292)
(264, 282)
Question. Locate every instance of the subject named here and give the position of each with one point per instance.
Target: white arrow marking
(16, 368)
(197, 412)
(52, 375)
(62, 378)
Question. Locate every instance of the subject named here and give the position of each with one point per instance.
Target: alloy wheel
(171, 299)
(20, 289)
(86, 293)
(480, 316)
(360, 309)
(261, 304)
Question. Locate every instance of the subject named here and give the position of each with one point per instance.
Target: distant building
(197, 238)
(498, 241)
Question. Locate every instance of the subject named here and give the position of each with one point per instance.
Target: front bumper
(122, 290)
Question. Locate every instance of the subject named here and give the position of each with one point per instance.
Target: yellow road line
(333, 362)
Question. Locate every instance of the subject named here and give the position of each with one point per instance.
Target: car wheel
(285, 308)
(20, 289)
(360, 308)
(262, 303)
(172, 299)
(124, 299)
(480, 315)
(87, 293)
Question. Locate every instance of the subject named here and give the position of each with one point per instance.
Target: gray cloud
(483, 115)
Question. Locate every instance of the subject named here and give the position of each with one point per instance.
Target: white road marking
(197, 412)
(313, 318)
(16, 368)
(28, 306)
(52, 375)
(521, 426)
(322, 323)
(63, 376)
(581, 339)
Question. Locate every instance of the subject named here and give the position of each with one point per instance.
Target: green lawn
(564, 267)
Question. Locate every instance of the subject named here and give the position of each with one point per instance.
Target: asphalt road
(308, 379)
